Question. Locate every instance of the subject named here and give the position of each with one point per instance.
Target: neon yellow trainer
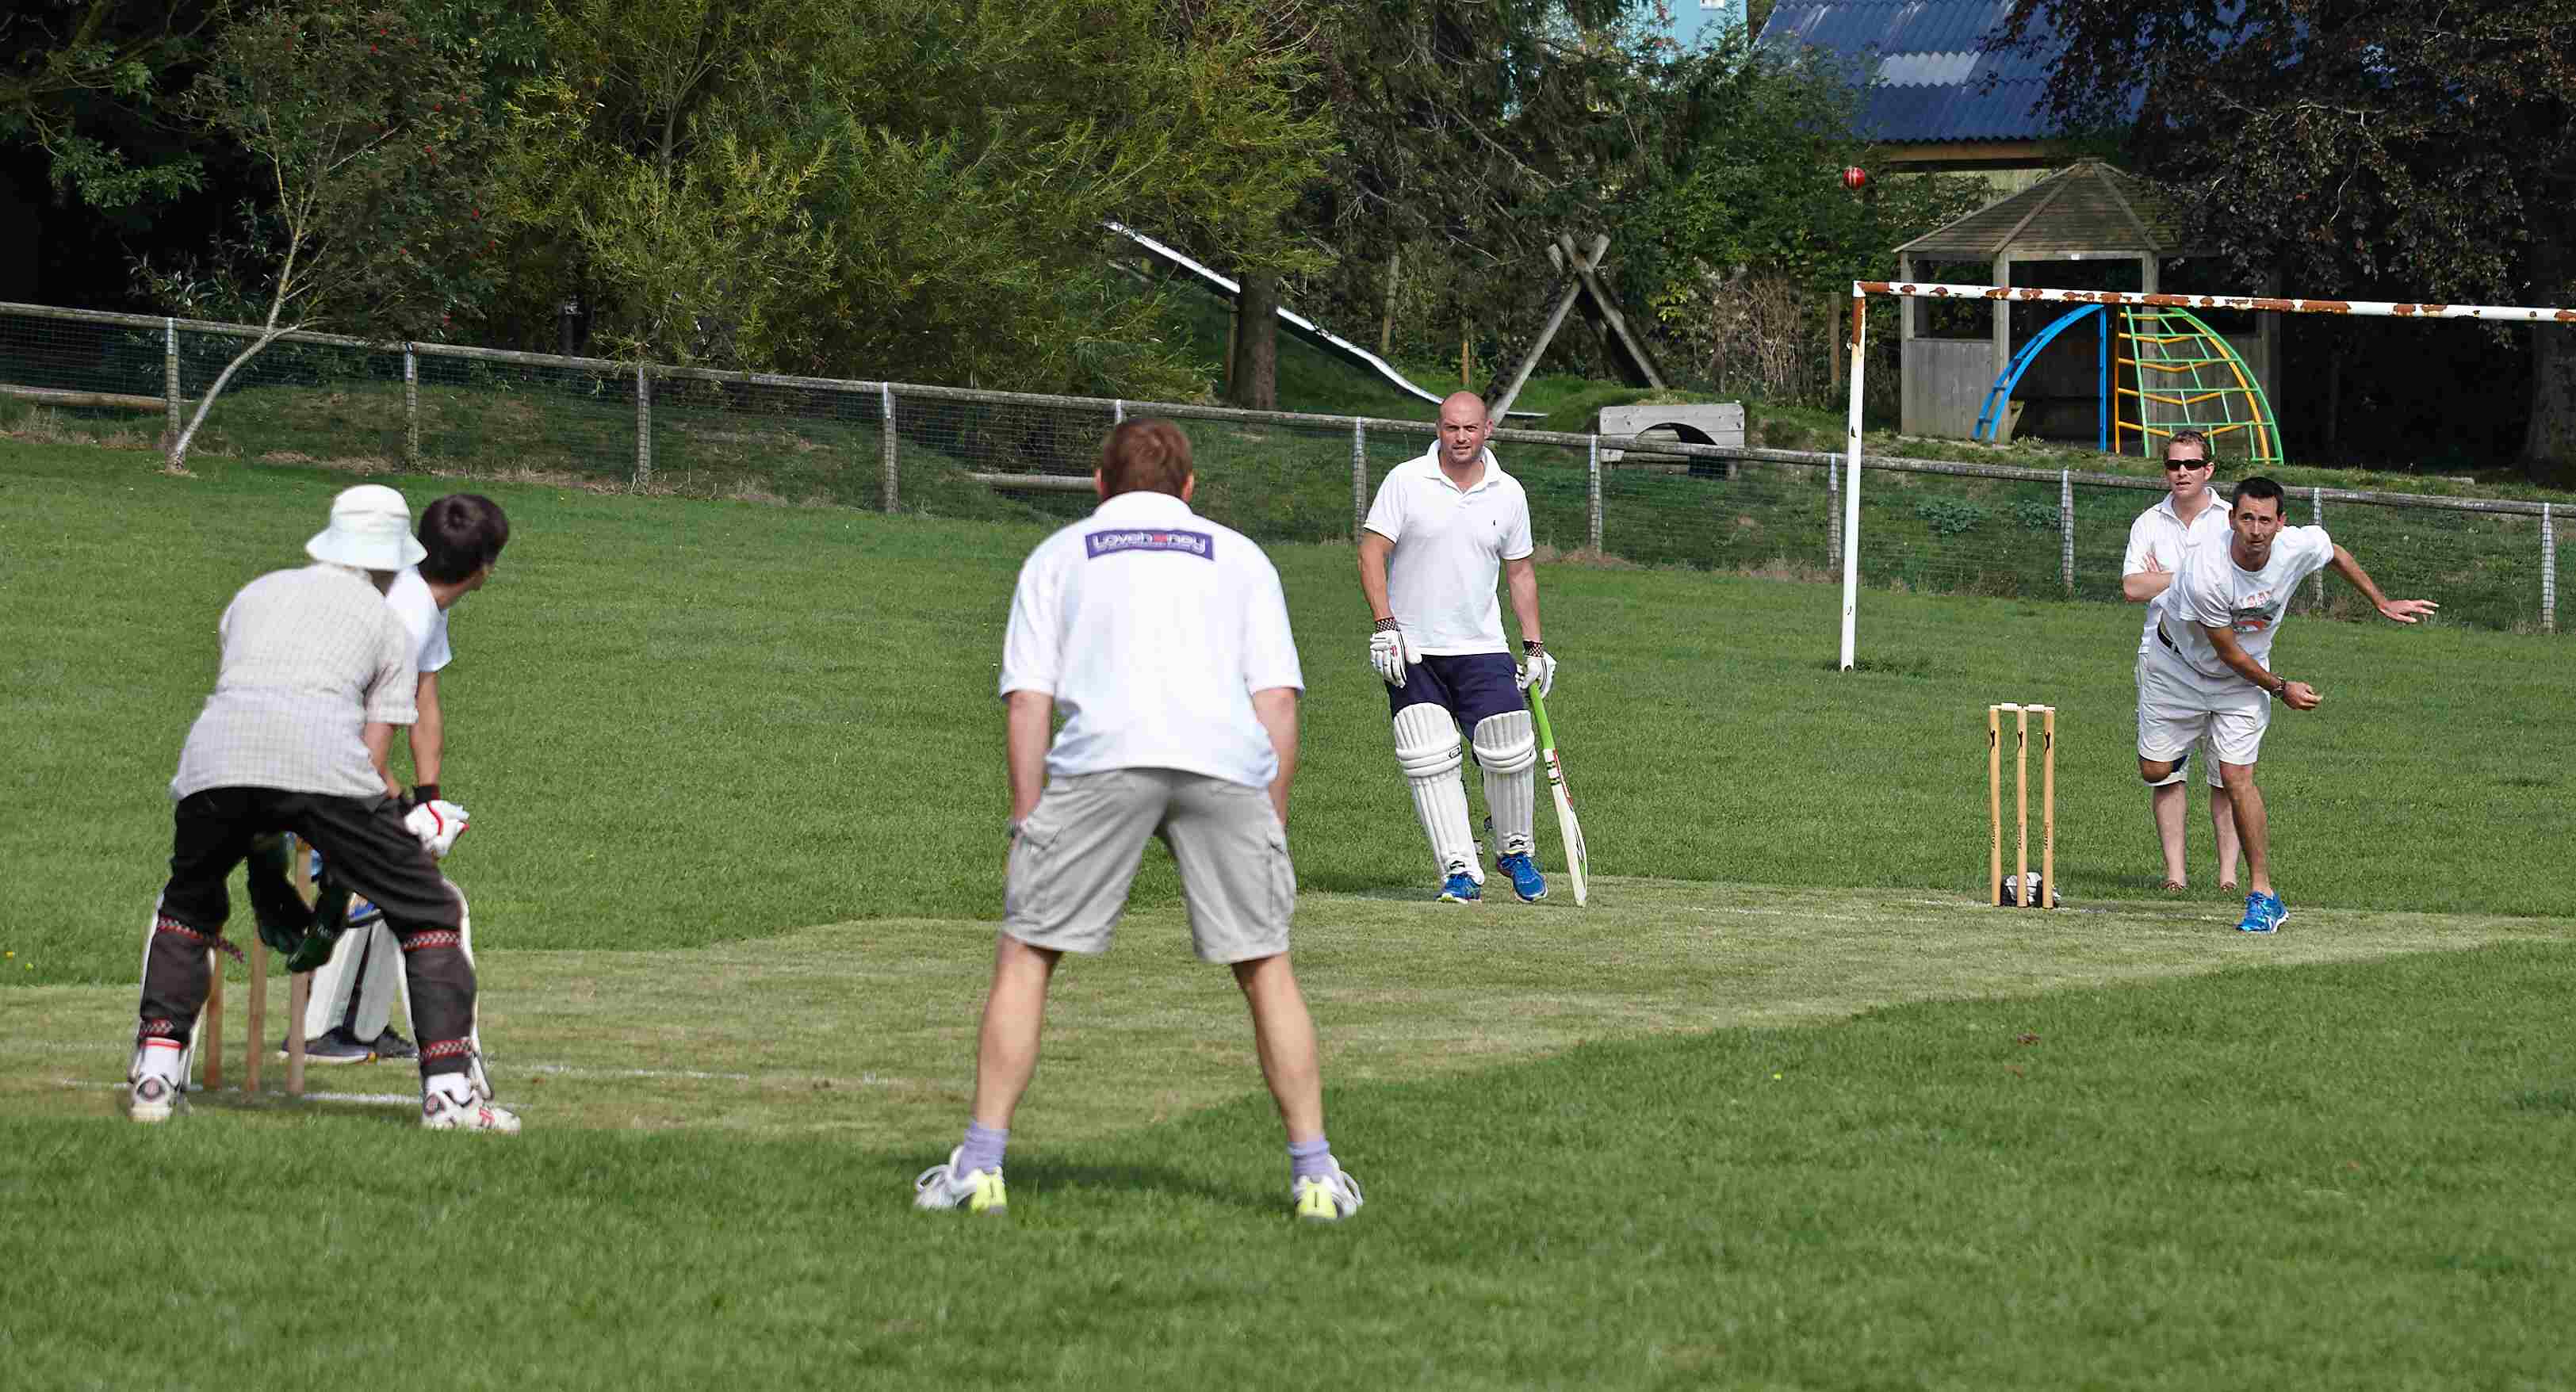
(1327, 1199)
(976, 1191)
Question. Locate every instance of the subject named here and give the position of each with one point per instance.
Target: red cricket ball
(1854, 176)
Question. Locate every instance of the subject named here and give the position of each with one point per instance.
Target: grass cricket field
(1785, 1106)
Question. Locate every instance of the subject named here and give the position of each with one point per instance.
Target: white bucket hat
(370, 529)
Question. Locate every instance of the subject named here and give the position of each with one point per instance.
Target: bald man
(1443, 528)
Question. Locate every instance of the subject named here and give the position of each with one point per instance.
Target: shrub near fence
(1925, 525)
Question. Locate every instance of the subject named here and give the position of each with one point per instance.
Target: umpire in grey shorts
(1163, 638)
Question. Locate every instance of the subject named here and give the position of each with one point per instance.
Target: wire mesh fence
(1927, 526)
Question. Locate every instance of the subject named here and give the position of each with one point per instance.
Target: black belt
(2161, 638)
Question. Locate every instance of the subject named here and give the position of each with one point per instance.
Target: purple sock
(1311, 1159)
(982, 1150)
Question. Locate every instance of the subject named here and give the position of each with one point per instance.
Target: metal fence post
(2548, 572)
(170, 379)
(2066, 529)
(1118, 412)
(1833, 513)
(643, 426)
(2317, 518)
(1359, 476)
(411, 405)
(886, 491)
(1592, 486)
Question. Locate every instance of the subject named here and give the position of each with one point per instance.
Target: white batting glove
(437, 823)
(1387, 652)
(1538, 668)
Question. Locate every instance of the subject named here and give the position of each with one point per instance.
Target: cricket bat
(1576, 862)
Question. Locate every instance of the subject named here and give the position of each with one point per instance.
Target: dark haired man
(2188, 515)
(1164, 639)
(2209, 675)
(349, 1016)
(316, 671)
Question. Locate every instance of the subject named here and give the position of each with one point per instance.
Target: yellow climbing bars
(2176, 373)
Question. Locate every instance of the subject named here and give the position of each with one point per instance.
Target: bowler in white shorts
(2188, 515)
(2210, 675)
(1163, 638)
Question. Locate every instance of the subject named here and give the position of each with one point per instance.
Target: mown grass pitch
(1783, 1107)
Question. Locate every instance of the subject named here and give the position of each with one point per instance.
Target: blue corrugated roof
(1929, 77)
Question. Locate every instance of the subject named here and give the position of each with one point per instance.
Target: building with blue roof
(1933, 97)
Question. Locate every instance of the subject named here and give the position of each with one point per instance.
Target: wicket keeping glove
(1538, 668)
(1390, 653)
(437, 823)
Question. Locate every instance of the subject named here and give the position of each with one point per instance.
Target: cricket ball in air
(1854, 176)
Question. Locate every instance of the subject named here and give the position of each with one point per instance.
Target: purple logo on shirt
(1199, 544)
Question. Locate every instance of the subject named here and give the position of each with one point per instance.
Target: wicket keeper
(2210, 673)
(1441, 529)
(1163, 638)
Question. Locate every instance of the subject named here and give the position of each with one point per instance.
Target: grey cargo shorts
(1077, 855)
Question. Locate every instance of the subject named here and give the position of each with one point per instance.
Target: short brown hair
(1145, 455)
(462, 532)
(2190, 437)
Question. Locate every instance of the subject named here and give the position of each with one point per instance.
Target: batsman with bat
(1442, 529)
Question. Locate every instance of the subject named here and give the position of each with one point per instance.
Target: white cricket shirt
(2211, 588)
(1450, 545)
(1151, 627)
(422, 618)
(2161, 533)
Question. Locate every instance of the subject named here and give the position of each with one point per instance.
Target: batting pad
(1508, 753)
(1426, 748)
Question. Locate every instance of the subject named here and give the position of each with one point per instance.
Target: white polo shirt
(2160, 532)
(2212, 589)
(1151, 627)
(1449, 548)
(422, 618)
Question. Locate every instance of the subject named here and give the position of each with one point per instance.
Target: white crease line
(555, 1070)
(382, 1099)
(565, 1070)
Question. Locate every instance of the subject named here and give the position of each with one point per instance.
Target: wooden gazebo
(2088, 211)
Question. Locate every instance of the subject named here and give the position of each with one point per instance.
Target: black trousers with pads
(365, 844)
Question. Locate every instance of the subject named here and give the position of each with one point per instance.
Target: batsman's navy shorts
(1470, 686)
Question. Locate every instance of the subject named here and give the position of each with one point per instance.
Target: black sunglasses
(2186, 463)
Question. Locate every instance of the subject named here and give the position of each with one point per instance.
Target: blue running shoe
(1527, 882)
(2263, 914)
(1461, 888)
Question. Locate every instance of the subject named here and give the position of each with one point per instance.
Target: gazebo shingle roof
(2087, 208)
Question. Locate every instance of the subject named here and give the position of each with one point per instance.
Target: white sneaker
(976, 1191)
(156, 1082)
(441, 1110)
(1329, 1199)
(153, 1098)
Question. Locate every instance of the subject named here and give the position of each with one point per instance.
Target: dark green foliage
(1951, 516)
(2415, 150)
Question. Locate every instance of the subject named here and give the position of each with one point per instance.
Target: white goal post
(1863, 289)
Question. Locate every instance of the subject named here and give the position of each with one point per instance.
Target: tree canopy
(2400, 149)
